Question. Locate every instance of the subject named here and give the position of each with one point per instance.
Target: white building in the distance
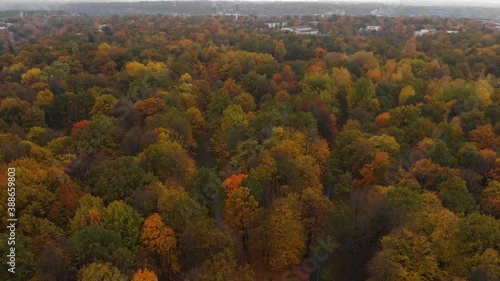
(373, 27)
(301, 30)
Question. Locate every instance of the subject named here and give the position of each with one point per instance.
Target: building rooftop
(303, 29)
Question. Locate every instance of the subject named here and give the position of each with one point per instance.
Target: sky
(412, 2)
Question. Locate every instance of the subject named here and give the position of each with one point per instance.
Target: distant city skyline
(402, 2)
(476, 3)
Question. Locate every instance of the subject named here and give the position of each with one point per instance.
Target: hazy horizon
(495, 3)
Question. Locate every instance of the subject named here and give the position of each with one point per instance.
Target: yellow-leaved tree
(285, 238)
(242, 211)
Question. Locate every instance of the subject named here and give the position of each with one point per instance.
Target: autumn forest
(151, 147)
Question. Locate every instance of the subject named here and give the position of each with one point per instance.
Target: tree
(53, 263)
(484, 136)
(94, 244)
(79, 125)
(100, 272)
(316, 80)
(135, 68)
(440, 154)
(230, 132)
(223, 266)
(25, 258)
(383, 119)
(157, 158)
(485, 266)
(375, 171)
(115, 179)
(241, 213)
(34, 116)
(362, 96)
(100, 135)
(206, 187)
(421, 128)
(218, 103)
(285, 241)
(429, 174)
(405, 256)
(31, 76)
(326, 121)
(174, 125)
(456, 197)
(157, 67)
(232, 87)
(314, 207)
(144, 275)
(122, 219)
(474, 119)
(473, 235)
(202, 240)
(364, 59)
(386, 143)
(308, 173)
(344, 148)
(245, 153)
(159, 240)
(36, 184)
(469, 157)
(287, 74)
(42, 232)
(38, 135)
(57, 69)
(195, 118)
(233, 183)
(279, 50)
(89, 212)
(406, 93)
(257, 85)
(12, 110)
(403, 116)
(405, 198)
(150, 106)
(178, 208)
(103, 104)
(490, 199)
(44, 96)
(246, 101)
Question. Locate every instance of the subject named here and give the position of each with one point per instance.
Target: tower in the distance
(237, 11)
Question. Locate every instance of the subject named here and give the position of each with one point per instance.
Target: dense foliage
(162, 148)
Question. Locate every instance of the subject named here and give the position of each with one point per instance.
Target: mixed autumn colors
(200, 148)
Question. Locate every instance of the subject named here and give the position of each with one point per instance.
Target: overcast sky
(412, 2)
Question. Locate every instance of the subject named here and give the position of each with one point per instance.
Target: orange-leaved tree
(233, 183)
(144, 275)
(159, 241)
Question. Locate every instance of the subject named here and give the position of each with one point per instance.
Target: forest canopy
(202, 148)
